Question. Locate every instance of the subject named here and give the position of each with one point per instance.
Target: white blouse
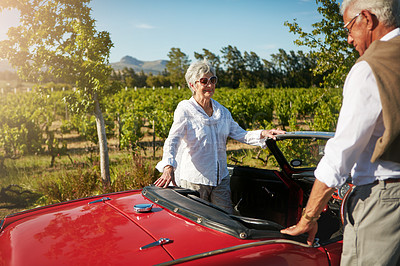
(196, 144)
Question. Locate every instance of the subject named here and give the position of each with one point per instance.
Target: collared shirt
(360, 124)
(196, 144)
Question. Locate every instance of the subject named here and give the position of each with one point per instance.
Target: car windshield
(302, 153)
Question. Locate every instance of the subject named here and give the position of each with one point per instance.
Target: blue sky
(148, 29)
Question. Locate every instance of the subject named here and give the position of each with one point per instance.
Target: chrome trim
(234, 248)
(316, 243)
(100, 200)
(146, 207)
(160, 242)
(305, 135)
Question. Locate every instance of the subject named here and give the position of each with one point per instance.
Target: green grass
(29, 181)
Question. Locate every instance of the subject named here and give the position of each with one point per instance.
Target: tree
(328, 43)
(254, 70)
(177, 65)
(57, 40)
(129, 76)
(235, 65)
(211, 57)
(270, 74)
(157, 80)
(294, 69)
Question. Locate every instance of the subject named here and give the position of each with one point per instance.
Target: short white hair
(387, 11)
(197, 70)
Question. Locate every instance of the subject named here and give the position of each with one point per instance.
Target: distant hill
(154, 67)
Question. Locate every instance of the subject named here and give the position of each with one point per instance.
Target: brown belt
(387, 181)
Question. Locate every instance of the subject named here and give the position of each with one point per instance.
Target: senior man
(367, 141)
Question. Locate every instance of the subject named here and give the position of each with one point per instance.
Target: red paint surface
(111, 233)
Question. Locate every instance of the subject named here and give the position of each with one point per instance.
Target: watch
(312, 219)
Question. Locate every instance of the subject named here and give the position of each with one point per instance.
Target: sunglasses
(205, 81)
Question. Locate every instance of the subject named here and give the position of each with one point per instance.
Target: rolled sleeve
(329, 175)
(248, 137)
(254, 138)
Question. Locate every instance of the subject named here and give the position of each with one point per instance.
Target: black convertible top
(186, 203)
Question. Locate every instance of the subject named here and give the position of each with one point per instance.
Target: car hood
(102, 230)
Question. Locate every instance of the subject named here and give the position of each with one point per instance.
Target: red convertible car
(174, 226)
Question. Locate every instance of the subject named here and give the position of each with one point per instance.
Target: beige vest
(384, 60)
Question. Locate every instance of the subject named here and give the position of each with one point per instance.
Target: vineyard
(42, 140)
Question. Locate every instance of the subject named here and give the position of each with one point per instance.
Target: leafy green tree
(177, 65)
(141, 79)
(271, 75)
(234, 64)
(57, 40)
(129, 77)
(328, 43)
(211, 57)
(158, 80)
(254, 70)
(294, 69)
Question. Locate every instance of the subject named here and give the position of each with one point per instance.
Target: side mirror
(296, 162)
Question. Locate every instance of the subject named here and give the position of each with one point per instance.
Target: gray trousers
(219, 195)
(372, 226)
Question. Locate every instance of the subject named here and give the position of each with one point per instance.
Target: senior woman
(194, 153)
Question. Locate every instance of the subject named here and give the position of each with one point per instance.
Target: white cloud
(144, 26)
(269, 46)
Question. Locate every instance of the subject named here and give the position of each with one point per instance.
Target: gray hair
(197, 70)
(387, 11)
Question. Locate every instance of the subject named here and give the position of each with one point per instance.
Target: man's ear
(372, 20)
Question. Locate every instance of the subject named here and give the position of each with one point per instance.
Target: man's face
(359, 35)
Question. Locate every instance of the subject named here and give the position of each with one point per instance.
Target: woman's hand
(271, 133)
(166, 177)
